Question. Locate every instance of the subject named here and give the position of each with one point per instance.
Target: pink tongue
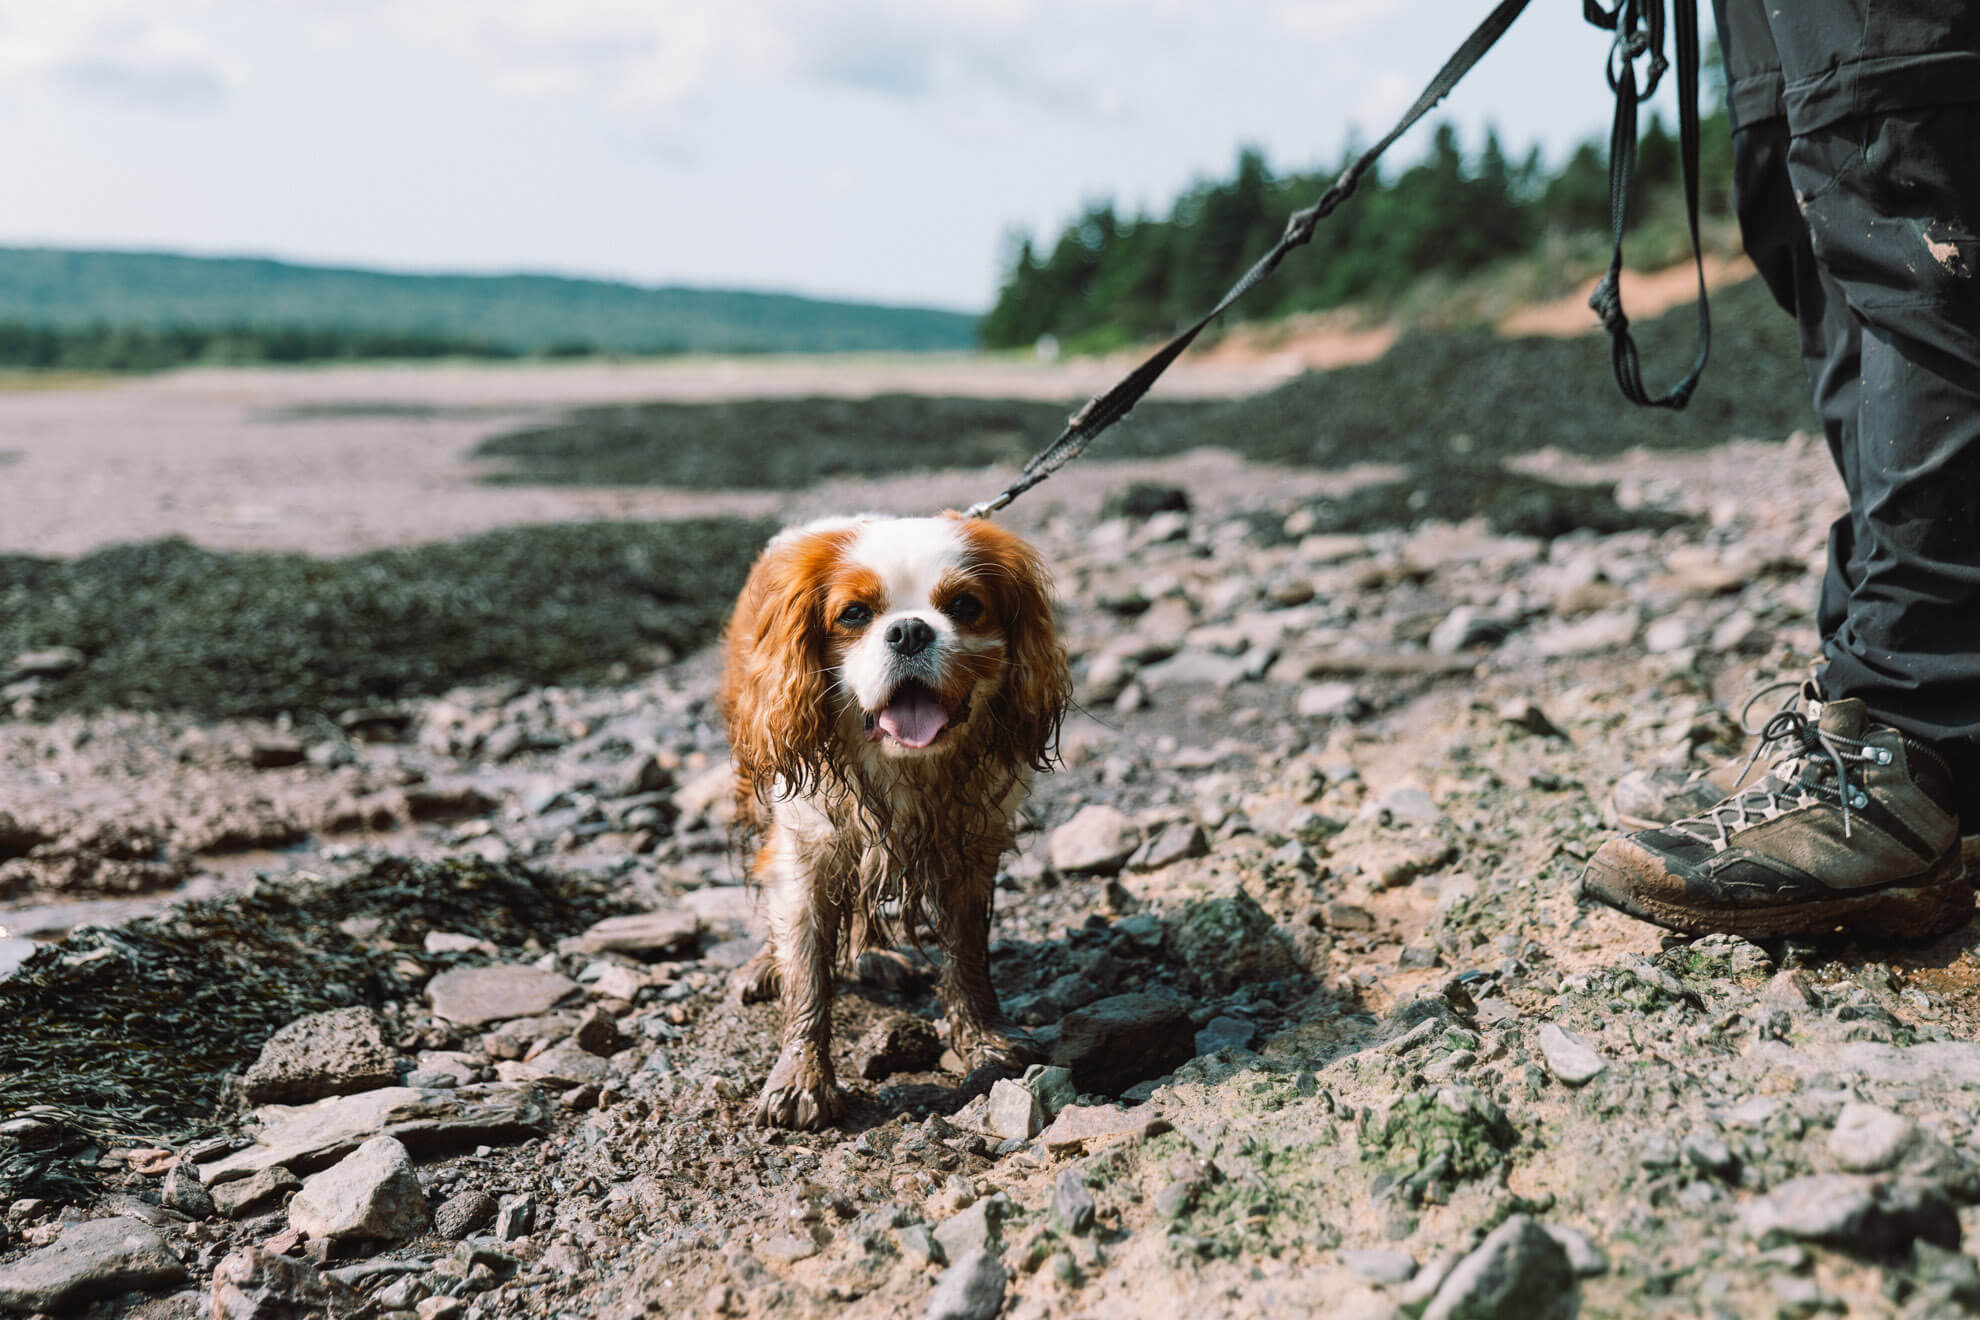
(913, 717)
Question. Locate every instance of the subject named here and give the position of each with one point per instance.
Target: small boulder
(95, 1258)
(255, 1284)
(899, 1042)
(970, 1289)
(340, 1052)
(1096, 841)
(1229, 941)
(1519, 1272)
(1113, 1043)
(1015, 1113)
(370, 1193)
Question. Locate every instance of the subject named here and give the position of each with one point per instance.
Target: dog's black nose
(909, 636)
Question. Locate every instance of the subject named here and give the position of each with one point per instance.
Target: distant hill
(65, 290)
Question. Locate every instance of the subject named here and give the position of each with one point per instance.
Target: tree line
(1109, 279)
(106, 347)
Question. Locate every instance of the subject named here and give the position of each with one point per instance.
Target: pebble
(1570, 1058)
(974, 1229)
(1015, 1113)
(1224, 1033)
(897, 1043)
(1173, 843)
(464, 1213)
(1072, 1203)
(91, 1259)
(257, 1192)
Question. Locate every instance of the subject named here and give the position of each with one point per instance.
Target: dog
(890, 686)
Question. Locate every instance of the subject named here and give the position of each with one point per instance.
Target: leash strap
(1639, 29)
(1103, 410)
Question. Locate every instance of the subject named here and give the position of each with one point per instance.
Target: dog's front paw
(1002, 1050)
(756, 980)
(799, 1094)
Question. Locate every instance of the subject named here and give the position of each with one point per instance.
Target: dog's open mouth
(914, 716)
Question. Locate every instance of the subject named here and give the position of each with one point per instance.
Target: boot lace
(1799, 742)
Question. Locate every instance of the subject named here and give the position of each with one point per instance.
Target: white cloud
(110, 49)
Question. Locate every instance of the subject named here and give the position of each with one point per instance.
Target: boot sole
(1934, 903)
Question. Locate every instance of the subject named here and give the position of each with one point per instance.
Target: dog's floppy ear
(774, 693)
(1037, 687)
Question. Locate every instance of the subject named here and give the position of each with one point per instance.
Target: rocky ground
(1297, 927)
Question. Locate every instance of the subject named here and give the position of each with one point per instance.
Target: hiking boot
(1851, 827)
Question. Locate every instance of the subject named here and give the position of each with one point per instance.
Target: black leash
(1642, 21)
(1639, 29)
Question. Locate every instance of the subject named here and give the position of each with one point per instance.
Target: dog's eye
(964, 608)
(855, 616)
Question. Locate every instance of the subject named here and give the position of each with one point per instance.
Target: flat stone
(1380, 1264)
(970, 1289)
(1078, 1124)
(1868, 1139)
(334, 1053)
(370, 1193)
(476, 996)
(1851, 1212)
(258, 1191)
(308, 1137)
(1113, 1043)
(255, 1284)
(564, 1064)
(1604, 631)
(1174, 843)
(1569, 1057)
(95, 1258)
(672, 931)
(786, 1249)
(898, 1043)
(1098, 840)
(1519, 1272)
(1335, 699)
(1015, 1114)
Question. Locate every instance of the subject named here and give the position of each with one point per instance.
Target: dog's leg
(756, 980)
(804, 926)
(978, 1029)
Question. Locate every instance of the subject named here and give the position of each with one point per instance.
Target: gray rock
(370, 1193)
(306, 1137)
(1380, 1264)
(1587, 1259)
(1229, 941)
(1569, 1057)
(253, 1194)
(335, 1053)
(1174, 843)
(1335, 699)
(564, 1064)
(185, 1193)
(253, 1284)
(476, 996)
(1467, 626)
(1114, 1043)
(515, 1218)
(1098, 840)
(970, 1289)
(974, 1229)
(665, 932)
(1519, 1272)
(899, 1042)
(464, 1213)
(1604, 631)
(598, 1033)
(1868, 1139)
(919, 1245)
(95, 1258)
(1015, 1114)
(1224, 1033)
(1072, 1204)
(1052, 1085)
(1863, 1215)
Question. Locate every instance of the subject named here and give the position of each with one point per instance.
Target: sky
(881, 150)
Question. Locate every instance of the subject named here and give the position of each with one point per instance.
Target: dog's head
(900, 638)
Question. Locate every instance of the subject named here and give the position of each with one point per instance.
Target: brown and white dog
(890, 685)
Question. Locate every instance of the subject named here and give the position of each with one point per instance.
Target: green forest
(136, 310)
(1110, 279)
